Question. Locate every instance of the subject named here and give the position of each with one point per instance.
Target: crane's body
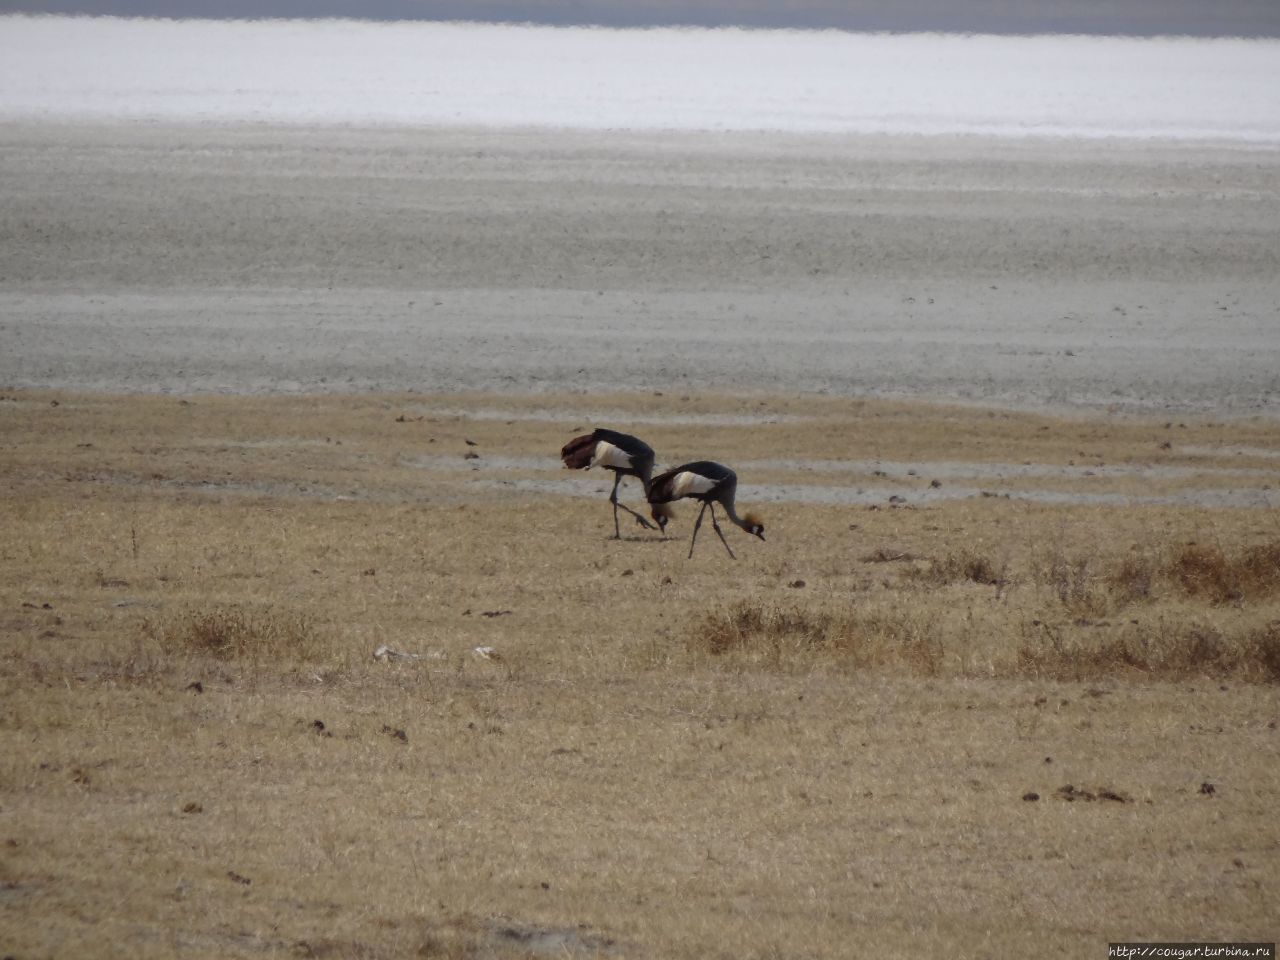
(710, 483)
(626, 456)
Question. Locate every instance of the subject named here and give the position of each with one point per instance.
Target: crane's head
(661, 513)
(753, 525)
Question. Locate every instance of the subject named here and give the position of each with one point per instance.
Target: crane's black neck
(733, 514)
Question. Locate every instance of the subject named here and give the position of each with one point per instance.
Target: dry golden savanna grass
(827, 748)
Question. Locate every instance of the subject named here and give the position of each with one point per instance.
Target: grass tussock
(235, 633)
(1133, 579)
(962, 566)
(1087, 586)
(1080, 587)
(1161, 651)
(902, 639)
(1219, 577)
(784, 637)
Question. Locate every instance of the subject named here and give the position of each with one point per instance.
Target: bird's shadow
(639, 538)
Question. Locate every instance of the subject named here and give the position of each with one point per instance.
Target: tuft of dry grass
(967, 566)
(888, 555)
(791, 637)
(236, 633)
(788, 639)
(1166, 651)
(1211, 573)
(1133, 579)
(755, 625)
(1089, 586)
(1074, 581)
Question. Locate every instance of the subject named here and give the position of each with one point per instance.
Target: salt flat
(1050, 273)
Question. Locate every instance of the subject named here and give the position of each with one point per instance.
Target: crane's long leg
(717, 528)
(697, 523)
(613, 498)
(643, 521)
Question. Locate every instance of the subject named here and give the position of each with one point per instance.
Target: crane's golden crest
(753, 519)
(667, 510)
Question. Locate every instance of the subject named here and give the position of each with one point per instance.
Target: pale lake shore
(1134, 276)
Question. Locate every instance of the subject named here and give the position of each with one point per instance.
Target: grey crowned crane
(626, 456)
(711, 483)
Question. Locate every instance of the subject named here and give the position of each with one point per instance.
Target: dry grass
(826, 742)
(962, 566)
(1090, 586)
(234, 633)
(1250, 573)
(897, 637)
(1076, 581)
(1134, 578)
(790, 637)
(1163, 650)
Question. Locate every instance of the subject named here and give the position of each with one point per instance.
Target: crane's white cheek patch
(688, 484)
(607, 455)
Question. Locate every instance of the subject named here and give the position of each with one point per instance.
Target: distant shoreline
(458, 75)
(1124, 18)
